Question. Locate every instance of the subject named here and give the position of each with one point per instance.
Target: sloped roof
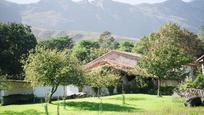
(117, 59)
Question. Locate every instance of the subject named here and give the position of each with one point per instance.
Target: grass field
(136, 104)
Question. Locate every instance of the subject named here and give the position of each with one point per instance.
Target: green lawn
(136, 104)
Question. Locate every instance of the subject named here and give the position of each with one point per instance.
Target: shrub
(17, 99)
(167, 90)
(138, 85)
(199, 82)
(186, 84)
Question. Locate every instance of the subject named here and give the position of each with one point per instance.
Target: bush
(199, 82)
(186, 84)
(167, 90)
(138, 85)
(17, 99)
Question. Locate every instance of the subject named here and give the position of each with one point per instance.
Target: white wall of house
(89, 91)
(42, 91)
(71, 89)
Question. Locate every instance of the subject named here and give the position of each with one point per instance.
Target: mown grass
(136, 104)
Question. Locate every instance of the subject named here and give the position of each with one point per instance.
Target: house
(117, 59)
(124, 61)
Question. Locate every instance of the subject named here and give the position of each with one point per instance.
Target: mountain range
(53, 17)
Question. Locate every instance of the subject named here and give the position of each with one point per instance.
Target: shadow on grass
(92, 106)
(27, 112)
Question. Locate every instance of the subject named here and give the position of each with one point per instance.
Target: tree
(126, 46)
(84, 50)
(52, 68)
(106, 40)
(102, 77)
(172, 33)
(165, 62)
(144, 45)
(15, 42)
(59, 43)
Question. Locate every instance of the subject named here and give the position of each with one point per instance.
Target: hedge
(17, 99)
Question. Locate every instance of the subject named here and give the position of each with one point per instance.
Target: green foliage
(145, 85)
(15, 42)
(59, 43)
(17, 99)
(2, 79)
(145, 44)
(95, 53)
(172, 34)
(165, 62)
(102, 77)
(52, 68)
(199, 82)
(188, 83)
(126, 46)
(106, 40)
(87, 50)
(167, 90)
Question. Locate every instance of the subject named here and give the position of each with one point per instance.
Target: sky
(125, 1)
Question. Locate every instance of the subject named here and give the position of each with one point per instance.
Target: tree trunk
(46, 109)
(123, 93)
(64, 97)
(53, 90)
(158, 87)
(100, 104)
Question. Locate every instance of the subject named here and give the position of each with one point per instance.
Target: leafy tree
(173, 34)
(52, 68)
(97, 52)
(87, 50)
(164, 62)
(60, 43)
(126, 46)
(145, 44)
(15, 41)
(102, 77)
(106, 40)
